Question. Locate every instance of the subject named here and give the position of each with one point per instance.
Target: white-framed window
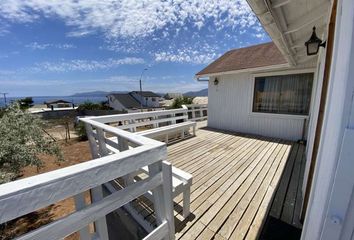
(283, 94)
(153, 99)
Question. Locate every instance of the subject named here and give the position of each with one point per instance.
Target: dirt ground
(74, 152)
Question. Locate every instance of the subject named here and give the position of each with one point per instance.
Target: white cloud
(43, 46)
(130, 18)
(184, 57)
(187, 55)
(83, 65)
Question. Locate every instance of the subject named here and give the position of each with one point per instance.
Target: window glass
(286, 94)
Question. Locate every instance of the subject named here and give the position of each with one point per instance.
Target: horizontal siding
(229, 108)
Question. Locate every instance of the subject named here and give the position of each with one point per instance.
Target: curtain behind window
(287, 94)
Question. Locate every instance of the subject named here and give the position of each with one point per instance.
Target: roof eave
(289, 35)
(264, 68)
(271, 24)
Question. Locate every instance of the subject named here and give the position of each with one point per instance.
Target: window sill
(279, 116)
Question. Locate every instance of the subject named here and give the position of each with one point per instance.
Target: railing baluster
(101, 223)
(80, 204)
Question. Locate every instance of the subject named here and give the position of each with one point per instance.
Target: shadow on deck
(283, 220)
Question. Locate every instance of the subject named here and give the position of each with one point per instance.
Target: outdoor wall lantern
(216, 81)
(314, 43)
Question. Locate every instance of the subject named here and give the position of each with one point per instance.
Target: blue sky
(51, 48)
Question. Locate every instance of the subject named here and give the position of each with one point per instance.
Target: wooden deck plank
(209, 184)
(219, 176)
(215, 163)
(201, 136)
(195, 175)
(259, 220)
(236, 178)
(210, 194)
(221, 194)
(242, 228)
(297, 210)
(212, 157)
(199, 139)
(241, 203)
(197, 153)
(277, 205)
(289, 203)
(193, 152)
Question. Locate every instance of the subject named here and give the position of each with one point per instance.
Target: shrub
(93, 106)
(21, 142)
(81, 131)
(26, 102)
(178, 102)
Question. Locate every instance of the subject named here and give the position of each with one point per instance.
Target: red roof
(262, 55)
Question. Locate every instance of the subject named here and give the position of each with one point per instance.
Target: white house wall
(230, 104)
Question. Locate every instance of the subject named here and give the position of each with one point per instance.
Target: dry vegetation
(74, 152)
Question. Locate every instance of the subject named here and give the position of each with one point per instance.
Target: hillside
(201, 93)
(95, 94)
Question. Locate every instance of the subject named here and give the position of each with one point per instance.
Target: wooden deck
(235, 178)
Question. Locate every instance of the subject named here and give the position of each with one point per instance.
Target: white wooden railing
(134, 121)
(113, 159)
(197, 112)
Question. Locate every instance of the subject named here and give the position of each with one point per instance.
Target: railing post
(103, 150)
(174, 120)
(122, 146)
(162, 195)
(193, 112)
(92, 140)
(132, 129)
(168, 197)
(156, 125)
(97, 192)
(185, 113)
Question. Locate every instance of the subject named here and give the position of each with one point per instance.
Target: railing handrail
(134, 138)
(196, 105)
(132, 116)
(22, 191)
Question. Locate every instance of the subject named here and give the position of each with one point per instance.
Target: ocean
(41, 99)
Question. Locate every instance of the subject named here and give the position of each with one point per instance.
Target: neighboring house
(123, 102)
(131, 102)
(169, 96)
(254, 90)
(279, 90)
(147, 98)
(58, 104)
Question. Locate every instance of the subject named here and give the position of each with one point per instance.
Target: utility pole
(4, 97)
(141, 89)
